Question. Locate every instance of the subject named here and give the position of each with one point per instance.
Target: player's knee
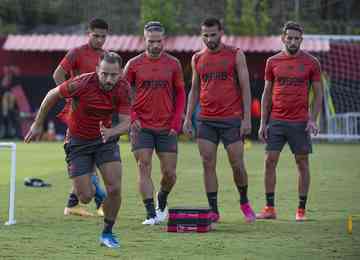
(144, 165)
(113, 190)
(270, 163)
(85, 196)
(208, 160)
(169, 175)
(302, 164)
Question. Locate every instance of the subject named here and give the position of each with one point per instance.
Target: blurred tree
(240, 17)
(254, 18)
(164, 11)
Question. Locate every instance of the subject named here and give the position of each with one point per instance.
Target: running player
(92, 140)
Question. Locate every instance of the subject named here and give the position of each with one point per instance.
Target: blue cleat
(109, 240)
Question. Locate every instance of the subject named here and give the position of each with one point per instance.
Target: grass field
(42, 232)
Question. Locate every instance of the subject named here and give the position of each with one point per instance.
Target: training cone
(349, 225)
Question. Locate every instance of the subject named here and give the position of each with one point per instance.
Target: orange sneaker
(300, 215)
(77, 211)
(267, 213)
(100, 211)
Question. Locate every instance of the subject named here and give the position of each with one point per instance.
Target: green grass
(42, 232)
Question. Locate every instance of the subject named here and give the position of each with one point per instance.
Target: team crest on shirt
(290, 67)
(224, 63)
(301, 68)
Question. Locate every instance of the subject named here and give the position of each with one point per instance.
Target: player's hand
(105, 132)
(134, 129)
(245, 128)
(312, 127)
(187, 127)
(263, 133)
(172, 132)
(34, 133)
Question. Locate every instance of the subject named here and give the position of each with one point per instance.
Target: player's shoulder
(276, 56)
(86, 78)
(308, 56)
(231, 49)
(170, 58)
(196, 56)
(122, 82)
(136, 60)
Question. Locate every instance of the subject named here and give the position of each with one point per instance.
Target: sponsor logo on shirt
(290, 81)
(215, 76)
(155, 83)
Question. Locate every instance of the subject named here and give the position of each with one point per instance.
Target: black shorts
(227, 131)
(82, 155)
(161, 141)
(293, 133)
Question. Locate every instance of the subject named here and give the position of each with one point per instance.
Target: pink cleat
(300, 215)
(214, 217)
(248, 212)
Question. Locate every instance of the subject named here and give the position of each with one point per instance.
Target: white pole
(12, 146)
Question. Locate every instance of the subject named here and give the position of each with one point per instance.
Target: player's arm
(193, 98)
(51, 98)
(119, 129)
(316, 107)
(60, 75)
(130, 77)
(243, 76)
(67, 64)
(179, 86)
(266, 102)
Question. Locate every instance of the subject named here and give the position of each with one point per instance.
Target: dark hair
(210, 22)
(154, 26)
(111, 57)
(97, 23)
(291, 25)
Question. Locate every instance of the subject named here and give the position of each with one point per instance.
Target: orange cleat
(77, 211)
(267, 213)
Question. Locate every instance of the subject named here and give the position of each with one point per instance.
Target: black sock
(150, 208)
(212, 199)
(270, 199)
(72, 200)
(243, 194)
(162, 199)
(302, 202)
(108, 225)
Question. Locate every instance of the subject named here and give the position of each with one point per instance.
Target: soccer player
(285, 115)
(92, 140)
(77, 61)
(158, 101)
(220, 81)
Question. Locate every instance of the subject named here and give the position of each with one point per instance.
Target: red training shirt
(91, 104)
(291, 77)
(158, 86)
(220, 94)
(77, 61)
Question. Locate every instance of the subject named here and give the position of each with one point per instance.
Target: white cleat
(150, 221)
(161, 216)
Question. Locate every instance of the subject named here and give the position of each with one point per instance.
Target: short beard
(292, 51)
(104, 87)
(213, 45)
